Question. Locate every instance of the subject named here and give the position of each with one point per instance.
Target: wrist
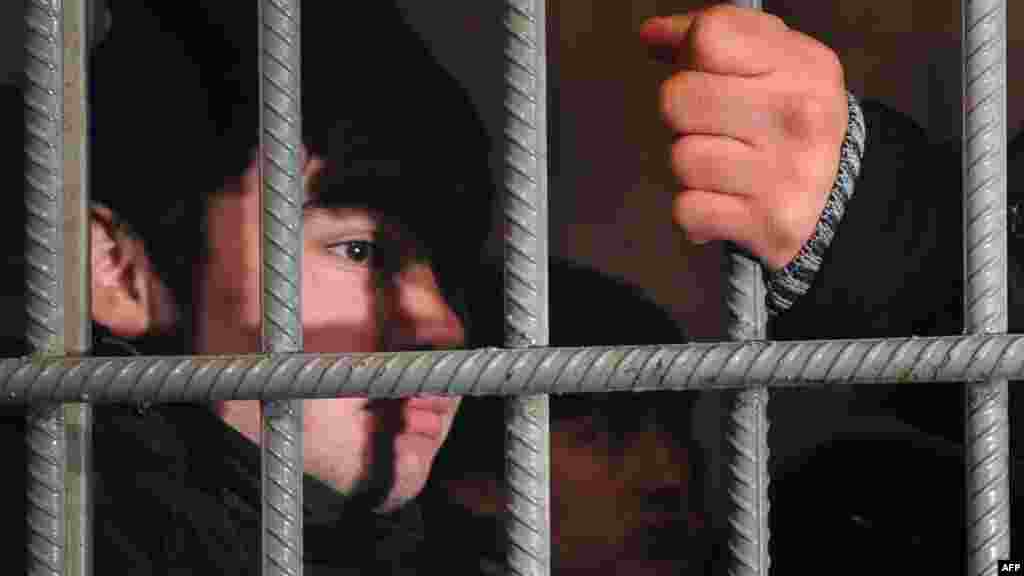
(787, 284)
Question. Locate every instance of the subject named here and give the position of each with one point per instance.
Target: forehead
(354, 217)
(354, 220)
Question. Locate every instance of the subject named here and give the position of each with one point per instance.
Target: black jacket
(885, 492)
(177, 492)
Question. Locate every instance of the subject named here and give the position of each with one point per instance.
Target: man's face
(351, 302)
(621, 510)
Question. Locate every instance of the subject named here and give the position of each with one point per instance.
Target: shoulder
(12, 229)
(11, 126)
(10, 102)
(459, 542)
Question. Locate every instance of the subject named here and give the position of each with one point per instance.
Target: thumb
(665, 35)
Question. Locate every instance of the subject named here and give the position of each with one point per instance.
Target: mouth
(419, 416)
(425, 416)
(437, 404)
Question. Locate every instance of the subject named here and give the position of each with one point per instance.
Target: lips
(425, 416)
(436, 404)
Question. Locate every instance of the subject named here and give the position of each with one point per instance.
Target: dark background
(610, 182)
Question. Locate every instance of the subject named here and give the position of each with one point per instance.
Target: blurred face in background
(622, 510)
(626, 508)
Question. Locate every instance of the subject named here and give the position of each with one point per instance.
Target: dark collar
(201, 451)
(214, 458)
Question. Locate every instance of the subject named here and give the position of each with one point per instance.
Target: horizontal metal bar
(509, 372)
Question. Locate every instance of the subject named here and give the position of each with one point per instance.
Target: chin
(414, 455)
(404, 491)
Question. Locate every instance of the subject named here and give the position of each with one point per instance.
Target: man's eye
(356, 251)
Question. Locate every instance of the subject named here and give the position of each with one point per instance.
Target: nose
(419, 315)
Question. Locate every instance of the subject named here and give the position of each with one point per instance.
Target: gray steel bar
(507, 372)
(44, 149)
(77, 265)
(281, 278)
(527, 455)
(78, 417)
(59, 438)
(985, 282)
(44, 277)
(747, 435)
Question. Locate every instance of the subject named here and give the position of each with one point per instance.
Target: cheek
(339, 309)
(234, 234)
(582, 491)
(335, 440)
(230, 315)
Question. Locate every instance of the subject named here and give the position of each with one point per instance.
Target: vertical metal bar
(527, 450)
(78, 417)
(281, 278)
(59, 438)
(44, 276)
(747, 435)
(985, 285)
(748, 422)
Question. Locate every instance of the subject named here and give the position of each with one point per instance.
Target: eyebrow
(315, 201)
(343, 214)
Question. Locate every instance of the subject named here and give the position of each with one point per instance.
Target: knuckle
(830, 61)
(815, 109)
(827, 63)
(822, 60)
(691, 218)
(682, 210)
(706, 33)
(774, 20)
(806, 116)
(678, 212)
(721, 12)
(691, 228)
(691, 163)
(666, 99)
(680, 155)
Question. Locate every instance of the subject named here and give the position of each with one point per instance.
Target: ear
(127, 295)
(312, 169)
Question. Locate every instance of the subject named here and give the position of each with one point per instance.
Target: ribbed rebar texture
(45, 486)
(747, 435)
(527, 447)
(985, 281)
(755, 4)
(280, 144)
(44, 91)
(44, 277)
(505, 372)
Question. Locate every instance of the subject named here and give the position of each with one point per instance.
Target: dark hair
(170, 127)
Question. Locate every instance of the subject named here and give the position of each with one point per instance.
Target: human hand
(760, 114)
